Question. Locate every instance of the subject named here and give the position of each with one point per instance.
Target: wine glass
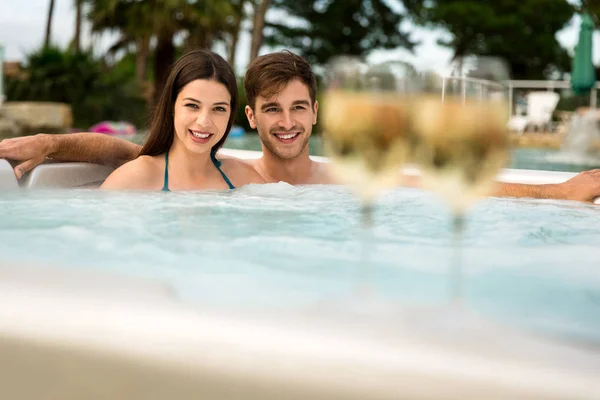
(366, 113)
(460, 138)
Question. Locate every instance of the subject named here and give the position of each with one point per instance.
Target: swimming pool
(521, 158)
(278, 248)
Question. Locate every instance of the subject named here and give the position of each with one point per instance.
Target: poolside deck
(543, 140)
(548, 140)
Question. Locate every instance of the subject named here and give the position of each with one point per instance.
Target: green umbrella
(583, 75)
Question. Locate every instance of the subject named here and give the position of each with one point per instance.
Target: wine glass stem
(364, 284)
(367, 215)
(456, 267)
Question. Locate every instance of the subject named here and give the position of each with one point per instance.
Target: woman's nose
(204, 119)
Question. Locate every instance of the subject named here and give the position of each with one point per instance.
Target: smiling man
(281, 92)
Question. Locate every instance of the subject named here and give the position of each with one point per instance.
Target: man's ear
(315, 112)
(250, 116)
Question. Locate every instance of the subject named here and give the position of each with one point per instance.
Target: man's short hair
(267, 75)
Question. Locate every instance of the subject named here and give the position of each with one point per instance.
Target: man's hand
(582, 187)
(31, 150)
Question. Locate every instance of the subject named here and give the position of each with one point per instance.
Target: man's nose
(286, 121)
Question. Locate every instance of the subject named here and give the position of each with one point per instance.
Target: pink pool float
(114, 128)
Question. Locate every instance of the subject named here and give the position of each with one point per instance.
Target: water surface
(531, 264)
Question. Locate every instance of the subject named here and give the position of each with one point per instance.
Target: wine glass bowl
(459, 146)
(460, 140)
(366, 140)
(366, 118)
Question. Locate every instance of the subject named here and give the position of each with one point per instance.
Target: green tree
(327, 28)
(76, 44)
(95, 90)
(49, 24)
(141, 22)
(260, 8)
(590, 6)
(521, 32)
(235, 24)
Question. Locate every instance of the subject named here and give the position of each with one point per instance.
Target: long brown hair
(197, 64)
(267, 75)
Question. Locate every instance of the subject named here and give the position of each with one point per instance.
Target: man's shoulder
(322, 173)
(241, 172)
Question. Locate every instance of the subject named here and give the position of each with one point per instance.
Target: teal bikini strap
(217, 164)
(166, 184)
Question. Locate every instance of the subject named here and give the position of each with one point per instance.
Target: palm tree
(131, 20)
(49, 24)
(258, 25)
(211, 21)
(138, 22)
(234, 33)
(77, 36)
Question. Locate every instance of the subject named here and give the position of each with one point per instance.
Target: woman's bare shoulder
(239, 172)
(143, 173)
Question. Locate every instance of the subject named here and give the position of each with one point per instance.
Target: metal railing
(485, 85)
(550, 86)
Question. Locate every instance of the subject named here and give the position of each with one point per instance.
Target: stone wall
(22, 117)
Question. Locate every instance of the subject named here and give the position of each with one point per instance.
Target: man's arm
(546, 191)
(87, 147)
(585, 186)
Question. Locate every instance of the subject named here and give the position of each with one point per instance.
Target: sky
(22, 26)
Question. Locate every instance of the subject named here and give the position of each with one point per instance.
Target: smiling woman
(191, 121)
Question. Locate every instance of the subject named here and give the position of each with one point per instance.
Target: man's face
(284, 121)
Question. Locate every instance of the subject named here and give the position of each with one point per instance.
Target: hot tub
(261, 292)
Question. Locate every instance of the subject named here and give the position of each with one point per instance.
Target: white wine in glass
(461, 141)
(366, 112)
(460, 147)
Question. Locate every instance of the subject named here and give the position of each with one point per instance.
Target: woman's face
(201, 114)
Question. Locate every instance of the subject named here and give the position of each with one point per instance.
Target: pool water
(521, 158)
(530, 264)
(552, 160)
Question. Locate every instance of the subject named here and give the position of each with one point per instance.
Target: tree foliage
(325, 28)
(522, 32)
(140, 21)
(94, 90)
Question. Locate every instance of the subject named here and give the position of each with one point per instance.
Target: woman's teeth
(200, 135)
